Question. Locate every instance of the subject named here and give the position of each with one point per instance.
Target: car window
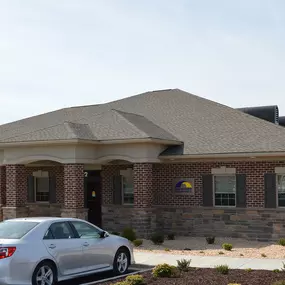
(59, 230)
(86, 231)
(15, 230)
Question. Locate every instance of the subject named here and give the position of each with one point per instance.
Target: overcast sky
(60, 53)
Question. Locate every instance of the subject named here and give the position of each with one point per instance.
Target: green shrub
(281, 282)
(171, 236)
(166, 249)
(138, 242)
(115, 233)
(263, 255)
(135, 280)
(129, 234)
(276, 270)
(164, 271)
(223, 269)
(122, 283)
(248, 269)
(157, 238)
(227, 246)
(241, 254)
(282, 242)
(183, 265)
(220, 252)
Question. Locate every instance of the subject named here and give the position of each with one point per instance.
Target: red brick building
(163, 160)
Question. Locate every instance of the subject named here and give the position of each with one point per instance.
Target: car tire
(44, 271)
(121, 261)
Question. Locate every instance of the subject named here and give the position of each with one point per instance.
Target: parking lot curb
(141, 268)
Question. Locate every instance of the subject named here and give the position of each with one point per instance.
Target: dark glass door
(93, 196)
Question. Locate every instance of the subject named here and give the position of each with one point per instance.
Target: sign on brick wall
(183, 185)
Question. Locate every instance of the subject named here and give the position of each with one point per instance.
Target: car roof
(42, 219)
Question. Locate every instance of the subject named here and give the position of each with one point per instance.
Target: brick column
(16, 192)
(73, 201)
(143, 214)
(2, 189)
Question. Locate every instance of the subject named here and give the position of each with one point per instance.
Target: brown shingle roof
(204, 126)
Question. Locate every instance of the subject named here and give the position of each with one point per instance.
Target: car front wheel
(121, 261)
(44, 274)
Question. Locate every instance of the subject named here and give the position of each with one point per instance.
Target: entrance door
(93, 196)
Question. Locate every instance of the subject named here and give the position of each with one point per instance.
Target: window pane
(15, 230)
(128, 189)
(281, 200)
(281, 183)
(225, 184)
(225, 200)
(86, 231)
(61, 230)
(42, 189)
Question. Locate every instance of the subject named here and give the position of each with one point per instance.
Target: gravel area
(210, 276)
(198, 246)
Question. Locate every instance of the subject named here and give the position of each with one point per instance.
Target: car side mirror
(103, 234)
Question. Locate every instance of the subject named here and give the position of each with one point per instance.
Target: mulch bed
(208, 276)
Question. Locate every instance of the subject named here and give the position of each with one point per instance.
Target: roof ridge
(35, 131)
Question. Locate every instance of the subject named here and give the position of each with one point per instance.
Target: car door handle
(86, 244)
(52, 246)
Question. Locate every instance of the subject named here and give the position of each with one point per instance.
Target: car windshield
(15, 230)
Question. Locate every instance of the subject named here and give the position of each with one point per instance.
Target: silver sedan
(43, 251)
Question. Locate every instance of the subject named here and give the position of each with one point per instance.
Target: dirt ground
(199, 246)
(211, 277)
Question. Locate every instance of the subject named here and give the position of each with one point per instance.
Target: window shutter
(31, 189)
(207, 181)
(241, 190)
(270, 190)
(52, 189)
(117, 190)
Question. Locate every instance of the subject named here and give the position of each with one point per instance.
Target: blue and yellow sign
(185, 185)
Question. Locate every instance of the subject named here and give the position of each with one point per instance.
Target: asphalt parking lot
(93, 278)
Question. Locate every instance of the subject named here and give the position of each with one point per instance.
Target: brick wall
(73, 186)
(143, 185)
(2, 185)
(163, 175)
(16, 186)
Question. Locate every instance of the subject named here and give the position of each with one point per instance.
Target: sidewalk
(149, 258)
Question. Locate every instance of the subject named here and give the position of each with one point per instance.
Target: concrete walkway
(150, 258)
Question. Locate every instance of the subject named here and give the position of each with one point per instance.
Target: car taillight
(6, 252)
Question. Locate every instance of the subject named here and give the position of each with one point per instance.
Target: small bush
(282, 242)
(220, 252)
(248, 269)
(171, 236)
(223, 269)
(157, 238)
(202, 251)
(115, 233)
(122, 283)
(129, 234)
(137, 242)
(276, 270)
(227, 246)
(135, 280)
(263, 255)
(183, 265)
(210, 240)
(166, 249)
(241, 254)
(164, 271)
(281, 282)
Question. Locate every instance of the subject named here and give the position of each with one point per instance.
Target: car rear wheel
(121, 261)
(44, 274)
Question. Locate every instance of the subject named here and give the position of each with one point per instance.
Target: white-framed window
(224, 190)
(280, 190)
(41, 184)
(127, 186)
